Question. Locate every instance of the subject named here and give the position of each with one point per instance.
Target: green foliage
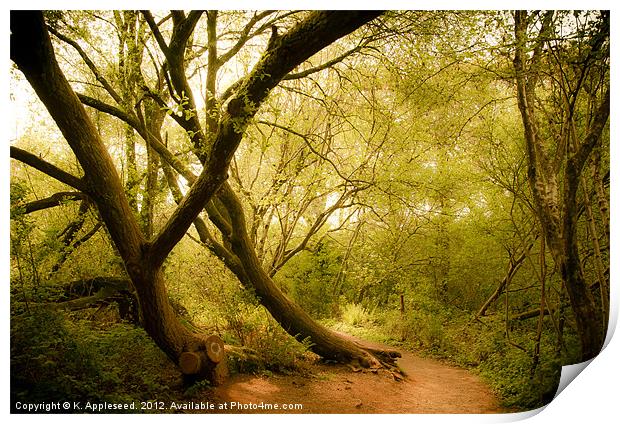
(183, 108)
(216, 303)
(509, 369)
(197, 387)
(47, 362)
(426, 139)
(277, 350)
(249, 325)
(21, 224)
(422, 326)
(309, 278)
(355, 315)
(56, 359)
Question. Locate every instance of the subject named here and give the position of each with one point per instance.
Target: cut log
(215, 349)
(205, 360)
(220, 373)
(196, 366)
(190, 362)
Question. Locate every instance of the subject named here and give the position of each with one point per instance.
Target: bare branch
(323, 66)
(91, 65)
(48, 169)
(244, 37)
(306, 139)
(54, 200)
(316, 226)
(175, 57)
(109, 109)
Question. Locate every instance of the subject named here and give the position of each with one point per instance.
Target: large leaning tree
(142, 105)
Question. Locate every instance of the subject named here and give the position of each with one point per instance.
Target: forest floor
(430, 386)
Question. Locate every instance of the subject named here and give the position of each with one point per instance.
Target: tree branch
(244, 37)
(206, 239)
(211, 109)
(155, 30)
(316, 226)
(110, 110)
(54, 200)
(175, 57)
(323, 66)
(91, 65)
(306, 140)
(48, 169)
(308, 37)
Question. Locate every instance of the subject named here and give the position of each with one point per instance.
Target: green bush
(309, 279)
(49, 363)
(355, 315)
(273, 349)
(57, 359)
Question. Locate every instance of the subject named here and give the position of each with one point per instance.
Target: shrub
(56, 359)
(355, 315)
(49, 363)
(309, 279)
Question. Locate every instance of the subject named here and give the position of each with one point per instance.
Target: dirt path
(430, 387)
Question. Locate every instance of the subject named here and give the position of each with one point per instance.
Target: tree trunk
(289, 315)
(160, 322)
(555, 204)
(32, 52)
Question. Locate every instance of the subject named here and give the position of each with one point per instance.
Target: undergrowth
(54, 358)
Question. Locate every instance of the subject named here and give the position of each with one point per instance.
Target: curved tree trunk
(289, 315)
(161, 323)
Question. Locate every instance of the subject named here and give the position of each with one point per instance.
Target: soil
(429, 386)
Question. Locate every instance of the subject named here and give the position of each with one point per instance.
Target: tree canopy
(437, 169)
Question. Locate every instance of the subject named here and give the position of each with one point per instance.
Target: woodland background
(430, 179)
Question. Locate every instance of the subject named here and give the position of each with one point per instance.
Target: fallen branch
(529, 314)
(88, 293)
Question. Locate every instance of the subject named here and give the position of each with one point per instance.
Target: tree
(555, 182)
(32, 52)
